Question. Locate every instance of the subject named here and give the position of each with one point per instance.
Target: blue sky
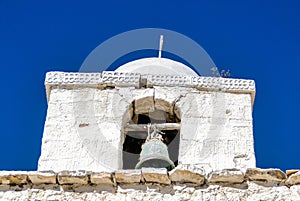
(254, 39)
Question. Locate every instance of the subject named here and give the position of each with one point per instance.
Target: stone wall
(183, 183)
(87, 113)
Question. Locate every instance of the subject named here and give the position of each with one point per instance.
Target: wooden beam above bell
(143, 127)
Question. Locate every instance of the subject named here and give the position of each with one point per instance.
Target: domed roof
(156, 66)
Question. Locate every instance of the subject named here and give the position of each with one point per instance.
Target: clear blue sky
(258, 39)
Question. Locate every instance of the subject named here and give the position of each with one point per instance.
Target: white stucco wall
(84, 126)
(216, 130)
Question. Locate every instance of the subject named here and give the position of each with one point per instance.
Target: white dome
(156, 66)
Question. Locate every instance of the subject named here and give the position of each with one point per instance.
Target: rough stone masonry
(183, 183)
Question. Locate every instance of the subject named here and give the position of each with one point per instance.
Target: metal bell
(155, 154)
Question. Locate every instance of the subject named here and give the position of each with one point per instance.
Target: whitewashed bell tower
(98, 121)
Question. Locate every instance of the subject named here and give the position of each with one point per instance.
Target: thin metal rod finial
(161, 41)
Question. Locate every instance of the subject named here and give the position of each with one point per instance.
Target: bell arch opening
(163, 117)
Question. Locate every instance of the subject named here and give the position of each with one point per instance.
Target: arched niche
(141, 112)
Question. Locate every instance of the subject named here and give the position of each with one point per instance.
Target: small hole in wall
(83, 125)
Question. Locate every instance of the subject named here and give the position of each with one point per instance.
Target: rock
(156, 175)
(144, 105)
(72, 177)
(265, 175)
(101, 178)
(45, 177)
(293, 179)
(187, 174)
(144, 101)
(4, 187)
(289, 172)
(13, 177)
(232, 176)
(128, 176)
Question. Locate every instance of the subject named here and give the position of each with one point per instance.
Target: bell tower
(147, 112)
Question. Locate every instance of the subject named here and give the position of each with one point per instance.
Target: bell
(155, 154)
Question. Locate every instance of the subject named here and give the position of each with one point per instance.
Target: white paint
(156, 66)
(83, 128)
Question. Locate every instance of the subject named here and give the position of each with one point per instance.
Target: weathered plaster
(87, 113)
